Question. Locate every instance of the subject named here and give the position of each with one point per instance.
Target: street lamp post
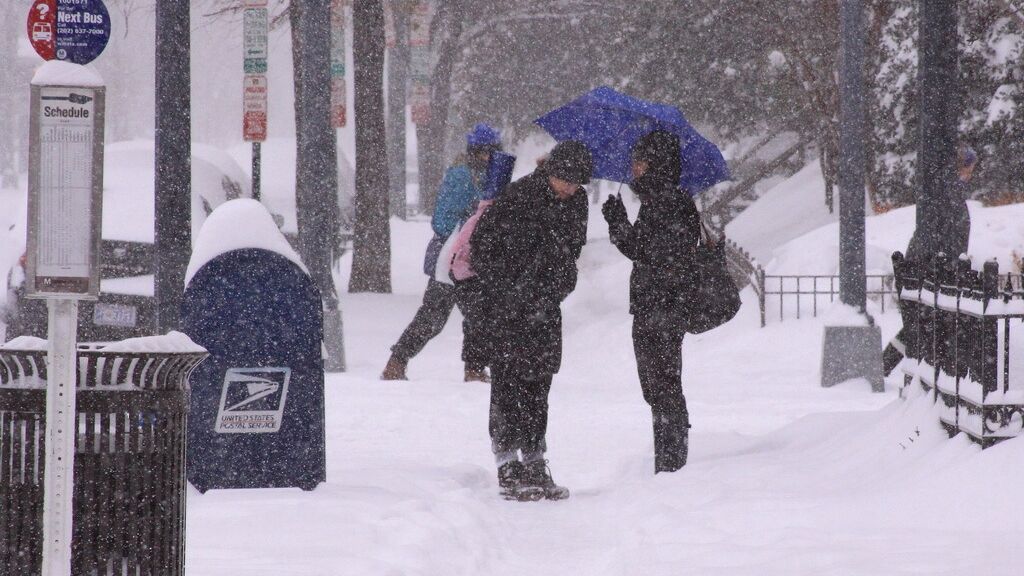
(852, 351)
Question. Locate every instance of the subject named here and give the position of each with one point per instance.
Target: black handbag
(715, 298)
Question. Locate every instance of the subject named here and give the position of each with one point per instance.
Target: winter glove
(614, 210)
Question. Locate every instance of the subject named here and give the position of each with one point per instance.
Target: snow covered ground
(785, 477)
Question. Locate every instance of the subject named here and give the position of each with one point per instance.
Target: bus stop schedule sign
(72, 30)
(64, 199)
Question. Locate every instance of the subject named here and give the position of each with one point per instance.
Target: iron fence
(959, 328)
(803, 291)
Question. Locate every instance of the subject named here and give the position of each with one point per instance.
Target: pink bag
(461, 268)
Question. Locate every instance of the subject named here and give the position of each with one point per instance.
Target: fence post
(963, 332)
(760, 293)
(990, 329)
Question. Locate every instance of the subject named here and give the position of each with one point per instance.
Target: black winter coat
(661, 245)
(524, 250)
(955, 230)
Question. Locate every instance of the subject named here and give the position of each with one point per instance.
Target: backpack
(461, 267)
(499, 174)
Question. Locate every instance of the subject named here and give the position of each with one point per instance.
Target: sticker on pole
(72, 30)
(252, 401)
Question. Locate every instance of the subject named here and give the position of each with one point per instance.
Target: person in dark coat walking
(953, 240)
(661, 244)
(456, 200)
(524, 250)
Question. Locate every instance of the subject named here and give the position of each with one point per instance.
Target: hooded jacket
(662, 241)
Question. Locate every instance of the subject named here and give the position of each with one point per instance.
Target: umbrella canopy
(610, 123)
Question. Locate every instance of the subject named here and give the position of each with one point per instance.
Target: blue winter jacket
(456, 200)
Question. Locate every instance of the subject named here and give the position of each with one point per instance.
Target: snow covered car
(277, 183)
(126, 307)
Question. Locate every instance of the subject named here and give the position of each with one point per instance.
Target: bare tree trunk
(398, 67)
(316, 163)
(294, 19)
(431, 136)
(371, 254)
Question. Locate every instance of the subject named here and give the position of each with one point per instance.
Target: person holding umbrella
(524, 251)
(663, 158)
(661, 244)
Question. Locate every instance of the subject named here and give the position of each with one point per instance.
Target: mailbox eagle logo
(252, 400)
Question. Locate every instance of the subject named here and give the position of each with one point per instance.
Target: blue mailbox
(257, 405)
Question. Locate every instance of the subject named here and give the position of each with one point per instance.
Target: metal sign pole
(64, 221)
(254, 88)
(58, 486)
(256, 170)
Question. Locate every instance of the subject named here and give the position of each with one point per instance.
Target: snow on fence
(961, 328)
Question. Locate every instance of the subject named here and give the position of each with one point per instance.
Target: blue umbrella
(610, 123)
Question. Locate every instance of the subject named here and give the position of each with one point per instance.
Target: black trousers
(475, 337)
(659, 363)
(438, 301)
(519, 410)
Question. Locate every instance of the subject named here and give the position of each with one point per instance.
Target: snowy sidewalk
(784, 477)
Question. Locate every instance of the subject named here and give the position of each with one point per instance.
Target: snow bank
(792, 208)
(30, 343)
(995, 234)
(236, 225)
(839, 314)
(172, 342)
(790, 231)
(60, 73)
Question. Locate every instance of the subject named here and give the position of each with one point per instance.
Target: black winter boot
(394, 370)
(509, 476)
(537, 480)
(671, 440)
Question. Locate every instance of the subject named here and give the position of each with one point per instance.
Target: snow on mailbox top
(59, 73)
(237, 225)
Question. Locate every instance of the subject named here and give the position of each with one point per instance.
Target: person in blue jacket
(456, 201)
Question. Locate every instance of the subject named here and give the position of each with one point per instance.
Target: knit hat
(570, 161)
(661, 151)
(483, 136)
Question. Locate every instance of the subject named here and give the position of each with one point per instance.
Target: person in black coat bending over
(661, 245)
(524, 250)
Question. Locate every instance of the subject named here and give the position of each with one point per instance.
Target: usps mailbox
(257, 405)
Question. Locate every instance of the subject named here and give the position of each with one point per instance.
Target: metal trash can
(129, 492)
